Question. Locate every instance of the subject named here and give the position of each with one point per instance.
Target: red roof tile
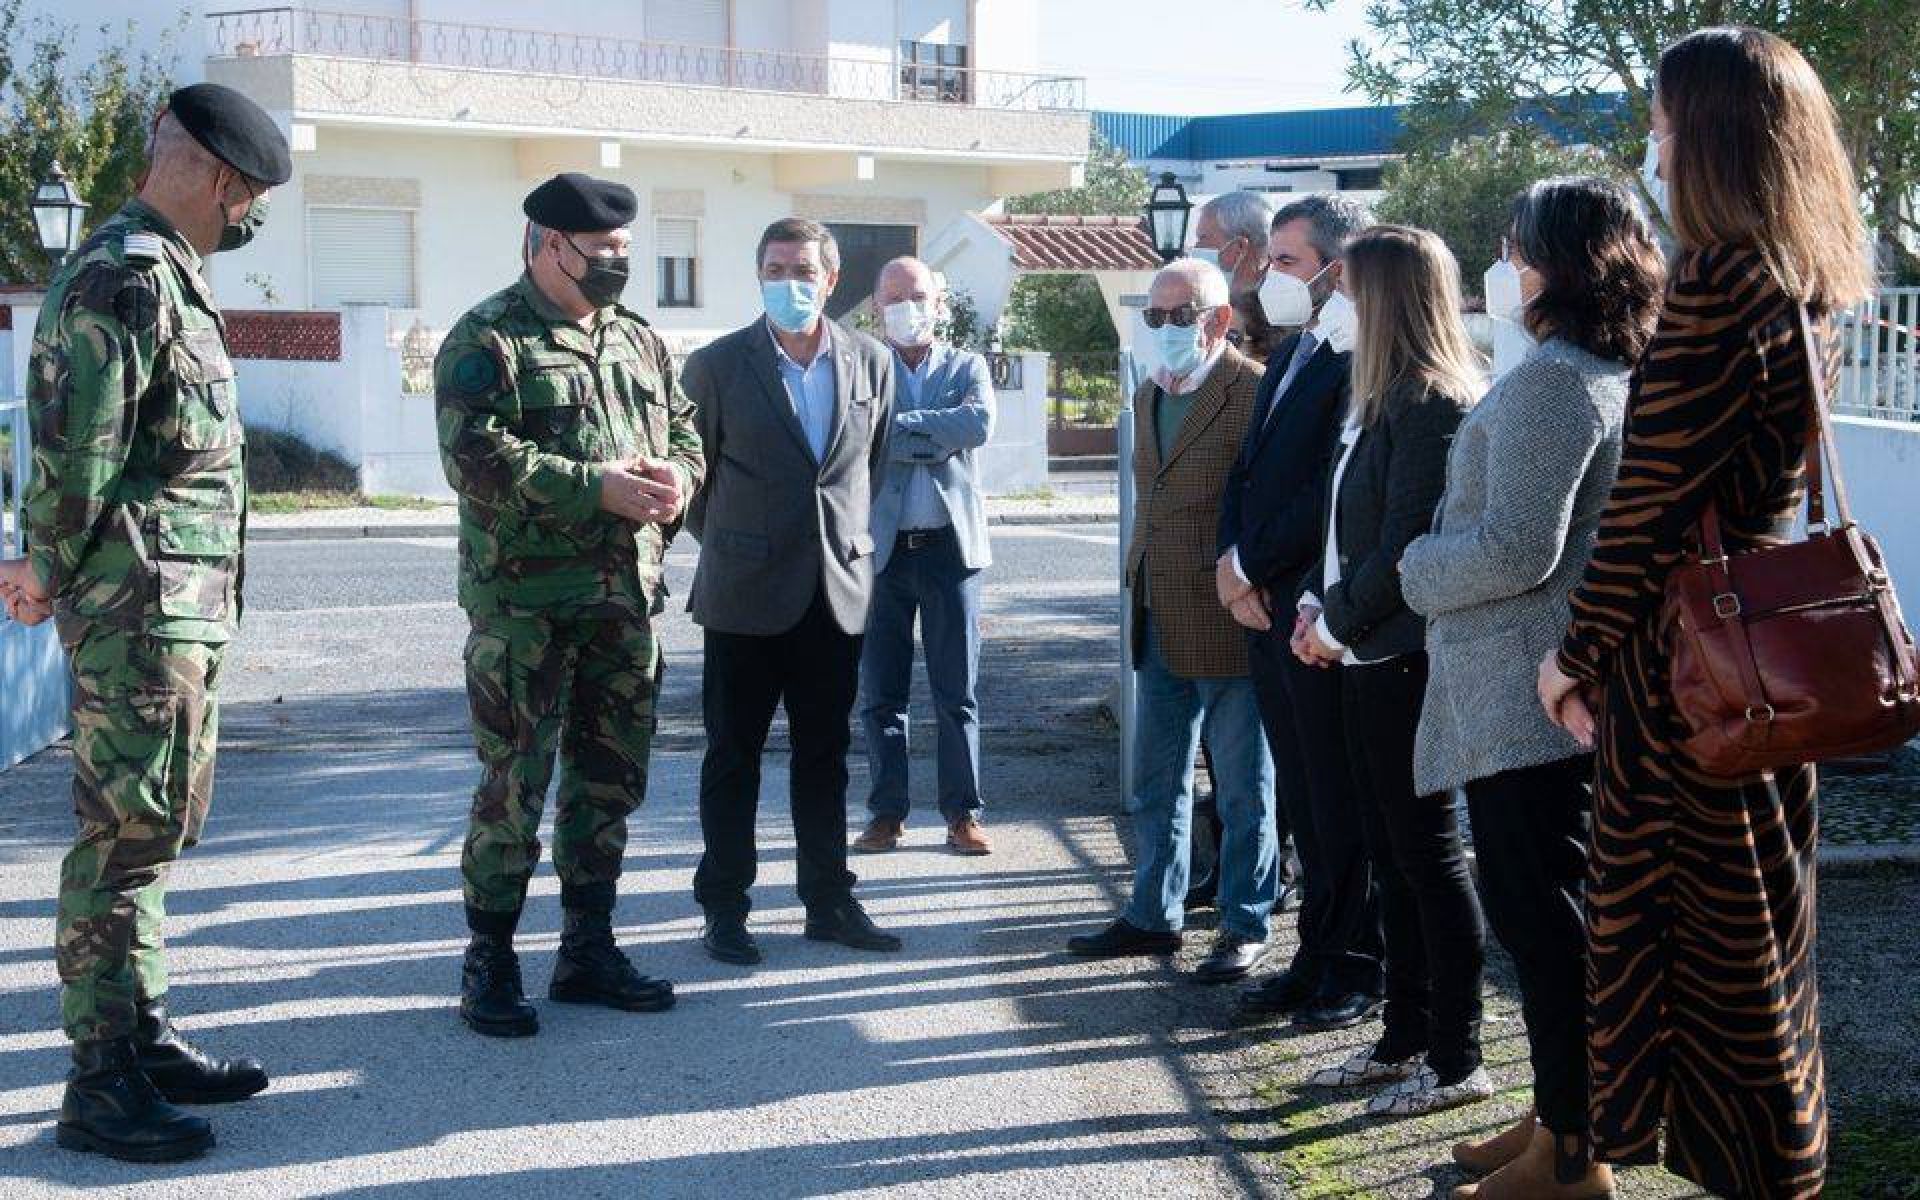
(1051, 243)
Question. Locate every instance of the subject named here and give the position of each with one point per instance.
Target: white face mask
(1286, 300)
(1505, 297)
(1650, 175)
(1338, 323)
(909, 322)
(1206, 254)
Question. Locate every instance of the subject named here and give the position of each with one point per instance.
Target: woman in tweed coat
(1527, 477)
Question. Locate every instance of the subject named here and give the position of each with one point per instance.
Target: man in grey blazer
(793, 411)
(930, 540)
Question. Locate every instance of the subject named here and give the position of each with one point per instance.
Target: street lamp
(1167, 211)
(59, 214)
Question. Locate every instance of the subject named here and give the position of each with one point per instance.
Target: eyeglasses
(1183, 316)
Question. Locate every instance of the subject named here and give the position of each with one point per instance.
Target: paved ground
(319, 928)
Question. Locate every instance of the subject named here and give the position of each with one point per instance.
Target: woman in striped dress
(1703, 1014)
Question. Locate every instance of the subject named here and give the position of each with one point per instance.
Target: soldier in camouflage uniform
(564, 430)
(134, 528)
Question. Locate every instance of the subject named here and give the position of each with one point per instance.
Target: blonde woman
(1700, 924)
(1415, 375)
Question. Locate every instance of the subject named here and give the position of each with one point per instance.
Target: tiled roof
(1050, 243)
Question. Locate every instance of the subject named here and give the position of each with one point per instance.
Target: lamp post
(59, 214)
(1167, 211)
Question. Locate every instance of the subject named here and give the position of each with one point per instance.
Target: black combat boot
(590, 969)
(182, 1072)
(491, 999)
(112, 1108)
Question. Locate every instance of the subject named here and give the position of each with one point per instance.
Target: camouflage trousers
(584, 687)
(145, 724)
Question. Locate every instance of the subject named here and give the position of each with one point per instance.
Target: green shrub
(282, 462)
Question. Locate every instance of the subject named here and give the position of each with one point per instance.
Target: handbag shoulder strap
(1823, 454)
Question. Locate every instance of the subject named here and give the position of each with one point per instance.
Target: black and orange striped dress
(1703, 1015)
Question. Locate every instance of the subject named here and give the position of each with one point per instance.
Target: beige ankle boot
(1531, 1176)
(1492, 1153)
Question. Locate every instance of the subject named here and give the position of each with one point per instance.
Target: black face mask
(604, 280)
(236, 234)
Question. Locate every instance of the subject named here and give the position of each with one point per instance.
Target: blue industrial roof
(1311, 133)
(1318, 132)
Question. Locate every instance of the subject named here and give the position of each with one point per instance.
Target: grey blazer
(1526, 480)
(953, 418)
(775, 525)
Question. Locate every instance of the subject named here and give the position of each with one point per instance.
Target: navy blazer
(1275, 503)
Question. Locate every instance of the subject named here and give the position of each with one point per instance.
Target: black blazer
(1388, 495)
(1274, 504)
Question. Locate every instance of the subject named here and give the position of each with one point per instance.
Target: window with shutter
(361, 256)
(676, 243)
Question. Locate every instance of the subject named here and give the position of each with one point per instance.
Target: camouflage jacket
(533, 410)
(135, 512)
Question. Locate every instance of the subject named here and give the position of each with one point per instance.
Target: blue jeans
(1170, 714)
(934, 581)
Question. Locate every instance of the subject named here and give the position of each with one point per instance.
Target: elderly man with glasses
(1189, 657)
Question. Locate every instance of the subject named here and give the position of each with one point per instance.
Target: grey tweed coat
(1527, 477)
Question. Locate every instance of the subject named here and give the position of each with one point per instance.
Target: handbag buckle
(1759, 714)
(1726, 606)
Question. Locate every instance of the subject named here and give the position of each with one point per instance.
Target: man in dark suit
(1271, 533)
(793, 411)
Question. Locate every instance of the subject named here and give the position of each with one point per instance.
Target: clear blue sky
(1203, 56)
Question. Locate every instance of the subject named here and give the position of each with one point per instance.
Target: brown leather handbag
(1791, 653)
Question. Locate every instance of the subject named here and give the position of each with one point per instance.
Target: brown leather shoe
(1535, 1174)
(1489, 1154)
(965, 836)
(881, 834)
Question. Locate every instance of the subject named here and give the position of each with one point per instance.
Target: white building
(418, 126)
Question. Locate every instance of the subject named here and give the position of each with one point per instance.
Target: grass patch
(1875, 1156)
(288, 475)
(292, 502)
(1038, 495)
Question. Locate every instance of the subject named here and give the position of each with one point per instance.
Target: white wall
(1015, 457)
(1006, 35)
(468, 227)
(1882, 461)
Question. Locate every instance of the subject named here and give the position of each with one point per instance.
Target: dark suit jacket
(1388, 496)
(1275, 501)
(774, 524)
(1178, 506)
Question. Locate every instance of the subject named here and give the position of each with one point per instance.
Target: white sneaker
(1422, 1093)
(1363, 1068)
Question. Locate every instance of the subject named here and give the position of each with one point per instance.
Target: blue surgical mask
(1181, 350)
(791, 304)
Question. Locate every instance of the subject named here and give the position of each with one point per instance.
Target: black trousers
(814, 669)
(1530, 830)
(1339, 920)
(1435, 947)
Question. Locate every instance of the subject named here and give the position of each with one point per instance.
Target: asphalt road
(319, 928)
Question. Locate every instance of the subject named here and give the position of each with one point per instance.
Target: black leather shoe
(1232, 957)
(1338, 1010)
(1290, 990)
(592, 970)
(849, 925)
(178, 1068)
(112, 1108)
(491, 999)
(726, 939)
(1121, 939)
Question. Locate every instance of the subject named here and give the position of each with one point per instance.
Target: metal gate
(33, 674)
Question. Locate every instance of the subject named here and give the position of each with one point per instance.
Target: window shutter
(687, 22)
(361, 256)
(676, 237)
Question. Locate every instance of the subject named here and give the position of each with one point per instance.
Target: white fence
(1880, 357)
(33, 674)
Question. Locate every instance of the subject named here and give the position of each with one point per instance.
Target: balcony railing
(1880, 357)
(265, 32)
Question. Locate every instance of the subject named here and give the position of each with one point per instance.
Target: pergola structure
(983, 254)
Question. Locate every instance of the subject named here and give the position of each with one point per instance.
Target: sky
(1203, 56)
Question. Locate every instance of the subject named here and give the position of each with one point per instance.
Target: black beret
(576, 203)
(234, 130)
